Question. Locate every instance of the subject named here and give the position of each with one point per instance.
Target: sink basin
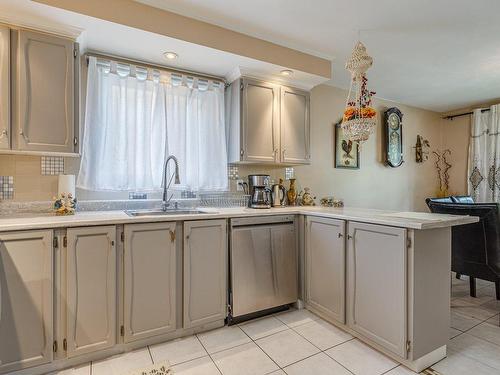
(163, 213)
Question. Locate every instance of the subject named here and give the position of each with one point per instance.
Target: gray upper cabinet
(149, 280)
(44, 93)
(266, 123)
(25, 299)
(325, 267)
(205, 275)
(4, 87)
(91, 289)
(294, 126)
(377, 285)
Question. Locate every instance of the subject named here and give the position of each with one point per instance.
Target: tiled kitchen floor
(300, 343)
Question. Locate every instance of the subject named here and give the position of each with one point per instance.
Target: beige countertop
(412, 220)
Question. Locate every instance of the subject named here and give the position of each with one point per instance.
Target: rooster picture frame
(346, 152)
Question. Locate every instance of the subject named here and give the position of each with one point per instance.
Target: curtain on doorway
(484, 155)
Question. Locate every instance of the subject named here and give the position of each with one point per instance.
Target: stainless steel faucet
(166, 186)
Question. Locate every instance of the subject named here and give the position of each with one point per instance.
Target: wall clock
(393, 126)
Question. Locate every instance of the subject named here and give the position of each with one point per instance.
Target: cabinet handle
(172, 236)
(349, 237)
(340, 235)
(4, 133)
(21, 133)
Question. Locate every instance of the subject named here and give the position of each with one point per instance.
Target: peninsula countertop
(402, 219)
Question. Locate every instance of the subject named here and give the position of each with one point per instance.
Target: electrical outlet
(239, 186)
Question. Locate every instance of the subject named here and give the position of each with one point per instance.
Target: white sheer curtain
(135, 117)
(484, 155)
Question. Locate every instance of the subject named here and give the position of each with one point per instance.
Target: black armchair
(475, 247)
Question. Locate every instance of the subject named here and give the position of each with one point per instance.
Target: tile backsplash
(52, 165)
(6, 187)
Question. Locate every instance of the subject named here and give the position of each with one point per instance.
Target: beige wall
(373, 185)
(456, 134)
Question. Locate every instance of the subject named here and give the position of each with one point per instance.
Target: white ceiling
(439, 55)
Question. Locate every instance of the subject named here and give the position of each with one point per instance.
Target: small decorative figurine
(307, 198)
(292, 193)
(327, 201)
(65, 204)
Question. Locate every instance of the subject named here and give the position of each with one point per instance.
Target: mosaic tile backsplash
(6, 187)
(52, 165)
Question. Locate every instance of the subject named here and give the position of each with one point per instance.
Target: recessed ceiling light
(170, 55)
(286, 72)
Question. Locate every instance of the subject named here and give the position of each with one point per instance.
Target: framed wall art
(346, 152)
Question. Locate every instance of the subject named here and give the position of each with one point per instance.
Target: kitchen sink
(164, 213)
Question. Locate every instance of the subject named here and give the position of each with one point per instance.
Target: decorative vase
(292, 193)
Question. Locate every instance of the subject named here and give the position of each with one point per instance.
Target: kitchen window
(135, 117)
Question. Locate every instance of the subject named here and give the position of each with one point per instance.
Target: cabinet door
(149, 280)
(295, 131)
(25, 299)
(260, 121)
(205, 272)
(377, 281)
(91, 289)
(325, 266)
(45, 93)
(4, 87)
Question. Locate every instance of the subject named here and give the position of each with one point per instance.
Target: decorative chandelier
(359, 117)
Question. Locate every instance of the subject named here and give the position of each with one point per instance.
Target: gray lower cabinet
(325, 266)
(91, 289)
(26, 283)
(205, 272)
(377, 285)
(149, 280)
(43, 121)
(4, 87)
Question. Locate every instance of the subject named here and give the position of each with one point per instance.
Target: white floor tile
(223, 338)
(493, 305)
(295, 318)
(322, 334)
(259, 328)
(456, 364)
(401, 370)
(200, 366)
(361, 359)
(481, 312)
(462, 322)
(79, 370)
(122, 364)
(454, 332)
(247, 359)
(487, 331)
(178, 351)
(319, 364)
(287, 347)
(476, 348)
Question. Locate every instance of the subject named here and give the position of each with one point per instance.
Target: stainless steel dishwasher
(263, 265)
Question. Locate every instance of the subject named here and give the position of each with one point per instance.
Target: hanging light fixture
(359, 117)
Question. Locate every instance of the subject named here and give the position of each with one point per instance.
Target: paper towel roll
(66, 184)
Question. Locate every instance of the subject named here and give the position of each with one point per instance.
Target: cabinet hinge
(65, 345)
(172, 235)
(122, 331)
(55, 242)
(65, 241)
(54, 346)
(122, 236)
(408, 242)
(408, 346)
(229, 309)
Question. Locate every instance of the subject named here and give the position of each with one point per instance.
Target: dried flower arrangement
(442, 168)
(65, 204)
